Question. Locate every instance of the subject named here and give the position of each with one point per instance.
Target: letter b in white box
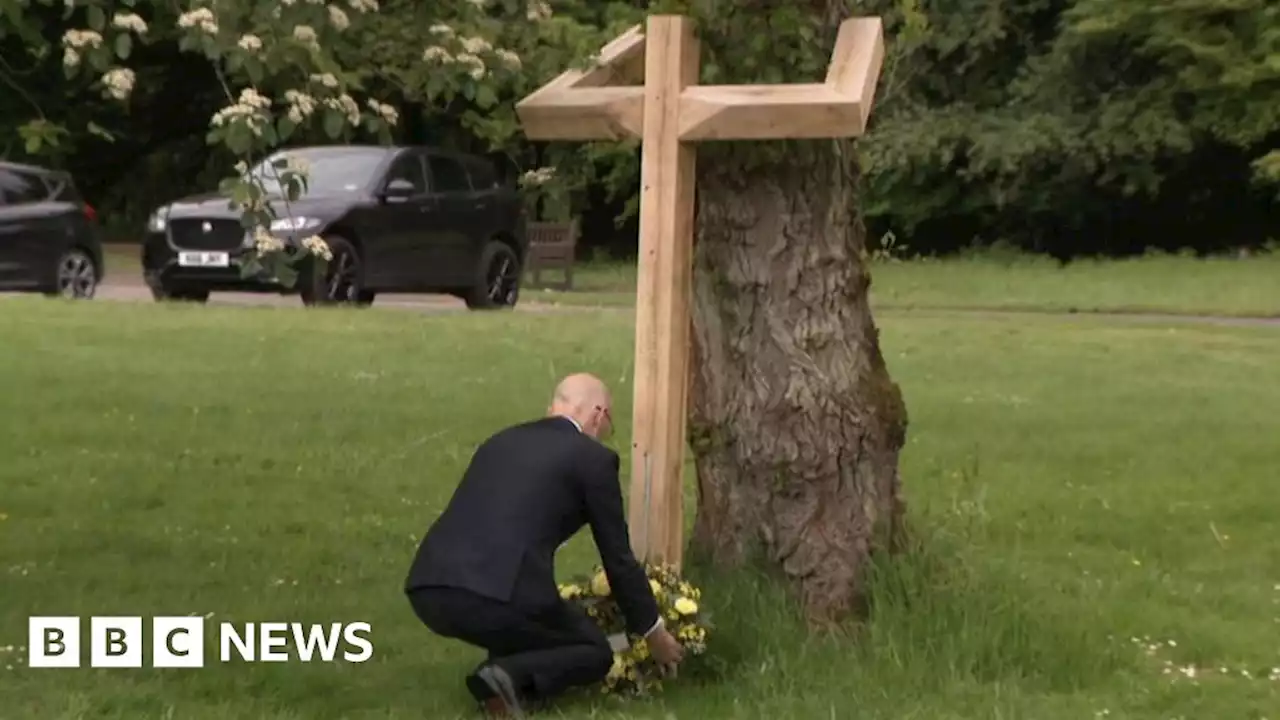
(115, 642)
(177, 642)
(53, 642)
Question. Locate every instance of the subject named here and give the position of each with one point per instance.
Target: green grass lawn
(1155, 284)
(1073, 483)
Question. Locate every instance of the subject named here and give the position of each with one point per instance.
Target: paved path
(127, 291)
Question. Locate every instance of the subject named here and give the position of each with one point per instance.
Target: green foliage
(1034, 120)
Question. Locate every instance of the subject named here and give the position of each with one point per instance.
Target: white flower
(338, 18)
(81, 39)
(317, 246)
(130, 21)
(476, 45)
(386, 112)
(436, 54)
(306, 35)
(477, 70)
(250, 43)
(325, 79)
(538, 10)
(265, 242)
(478, 4)
(202, 18)
(540, 176)
(364, 5)
(119, 82)
(509, 59)
(441, 29)
(70, 58)
(345, 104)
(249, 108)
(301, 106)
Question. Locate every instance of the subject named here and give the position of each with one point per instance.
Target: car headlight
(293, 224)
(158, 220)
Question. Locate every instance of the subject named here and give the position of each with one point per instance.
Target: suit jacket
(528, 489)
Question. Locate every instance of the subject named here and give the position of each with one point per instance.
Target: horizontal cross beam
(576, 106)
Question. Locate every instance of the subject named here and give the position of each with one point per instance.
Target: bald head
(584, 398)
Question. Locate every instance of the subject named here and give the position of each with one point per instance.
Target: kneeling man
(485, 572)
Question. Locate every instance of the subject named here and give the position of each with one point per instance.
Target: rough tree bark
(795, 423)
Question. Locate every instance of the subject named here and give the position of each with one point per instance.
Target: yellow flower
(569, 592)
(685, 606)
(655, 587)
(600, 585)
(618, 669)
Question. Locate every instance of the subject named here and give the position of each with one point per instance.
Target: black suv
(49, 236)
(397, 219)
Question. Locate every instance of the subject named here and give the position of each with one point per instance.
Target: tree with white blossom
(290, 64)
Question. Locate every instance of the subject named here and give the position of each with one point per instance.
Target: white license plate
(204, 259)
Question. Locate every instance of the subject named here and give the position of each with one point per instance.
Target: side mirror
(398, 190)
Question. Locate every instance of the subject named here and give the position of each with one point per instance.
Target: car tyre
(497, 283)
(342, 282)
(75, 276)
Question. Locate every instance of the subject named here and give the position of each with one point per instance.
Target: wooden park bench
(552, 246)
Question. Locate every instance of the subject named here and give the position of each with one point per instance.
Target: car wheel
(497, 283)
(76, 276)
(341, 283)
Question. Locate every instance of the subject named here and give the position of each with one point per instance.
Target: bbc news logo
(179, 642)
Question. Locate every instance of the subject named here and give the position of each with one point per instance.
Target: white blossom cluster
(540, 176)
(251, 108)
(201, 18)
(119, 82)
(130, 22)
(538, 11)
(470, 53)
(75, 42)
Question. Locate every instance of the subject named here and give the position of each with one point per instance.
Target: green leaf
(97, 18)
(287, 275)
(255, 70)
(33, 143)
(485, 97)
(250, 268)
(333, 124)
(285, 128)
(95, 129)
(124, 46)
(238, 140)
(436, 84)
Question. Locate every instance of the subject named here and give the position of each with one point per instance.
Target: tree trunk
(795, 423)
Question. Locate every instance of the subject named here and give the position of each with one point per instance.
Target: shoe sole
(500, 683)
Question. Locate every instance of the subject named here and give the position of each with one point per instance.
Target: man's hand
(664, 648)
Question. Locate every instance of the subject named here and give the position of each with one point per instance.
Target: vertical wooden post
(663, 295)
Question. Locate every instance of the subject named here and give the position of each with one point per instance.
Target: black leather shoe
(499, 682)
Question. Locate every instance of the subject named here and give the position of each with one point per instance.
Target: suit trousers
(545, 652)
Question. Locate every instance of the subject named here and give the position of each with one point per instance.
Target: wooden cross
(669, 112)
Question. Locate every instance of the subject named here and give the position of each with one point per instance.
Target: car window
(483, 176)
(447, 176)
(17, 187)
(409, 167)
